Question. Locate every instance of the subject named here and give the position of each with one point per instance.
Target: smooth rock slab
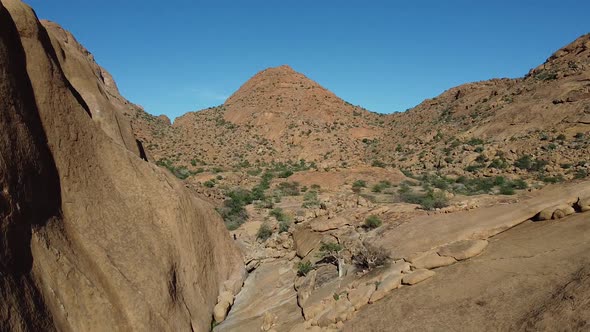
(360, 296)
(462, 250)
(388, 284)
(417, 276)
(431, 260)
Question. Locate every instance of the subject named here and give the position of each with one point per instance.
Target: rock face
(92, 237)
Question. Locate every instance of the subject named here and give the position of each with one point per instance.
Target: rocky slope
(478, 129)
(278, 115)
(545, 115)
(92, 237)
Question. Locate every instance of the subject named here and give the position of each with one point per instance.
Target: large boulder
(92, 237)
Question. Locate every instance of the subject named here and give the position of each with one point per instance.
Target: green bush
(475, 141)
(378, 163)
(499, 163)
(284, 226)
(581, 174)
(264, 232)
(377, 188)
(303, 268)
(310, 199)
(285, 174)
(372, 222)
(289, 188)
(526, 162)
(434, 200)
(507, 190)
(358, 185)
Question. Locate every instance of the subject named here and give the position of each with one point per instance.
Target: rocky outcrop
(91, 236)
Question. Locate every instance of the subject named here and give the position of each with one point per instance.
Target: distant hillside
(476, 129)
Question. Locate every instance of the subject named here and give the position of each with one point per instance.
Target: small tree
(368, 257)
(331, 252)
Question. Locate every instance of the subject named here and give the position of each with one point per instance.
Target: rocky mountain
(545, 115)
(92, 237)
(278, 115)
(475, 130)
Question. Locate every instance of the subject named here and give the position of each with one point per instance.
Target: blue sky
(177, 56)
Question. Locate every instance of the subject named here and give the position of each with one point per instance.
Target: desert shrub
(209, 183)
(303, 268)
(264, 232)
(310, 199)
(285, 174)
(473, 168)
(434, 200)
(546, 75)
(377, 188)
(407, 195)
(519, 184)
(254, 172)
(284, 226)
(233, 212)
(368, 257)
(358, 185)
(551, 179)
(475, 141)
(279, 215)
(373, 222)
(498, 163)
(289, 188)
(581, 174)
(579, 136)
(429, 201)
(378, 163)
(507, 190)
(526, 162)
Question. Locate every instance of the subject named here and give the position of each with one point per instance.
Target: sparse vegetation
(264, 232)
(368, 257)
(358, 185)
(379, 187)
(303, 268)
(373, 222)
(310, 199)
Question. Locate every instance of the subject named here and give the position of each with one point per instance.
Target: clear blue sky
(177, 56)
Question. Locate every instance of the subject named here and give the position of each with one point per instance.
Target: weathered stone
(305, 241)
(226, 296)
(398, 267)
(388, 284)
(563, 211)
(546, 214)
(220, 311)
(267, 321)
(305, 285)
(584, 204)
(417, 276)
(360, 296)
(431, 260)
(325, 224)
(462, 250)
(338, 312)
